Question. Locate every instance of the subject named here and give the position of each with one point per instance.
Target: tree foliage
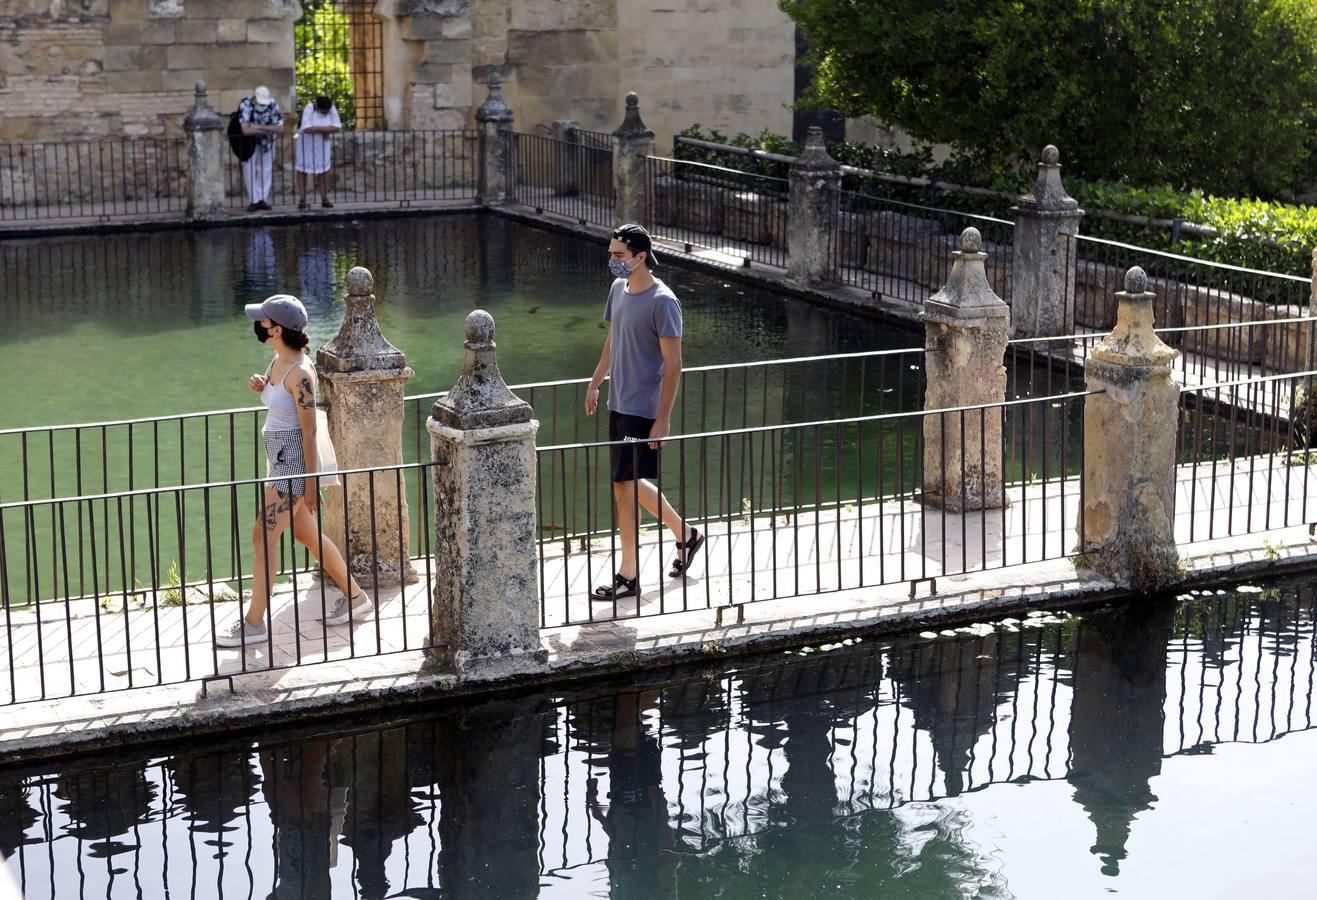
(1218, 94)
(323, 58)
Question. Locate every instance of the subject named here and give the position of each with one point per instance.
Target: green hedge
(1247, 229)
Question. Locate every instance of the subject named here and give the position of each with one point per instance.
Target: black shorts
(634, 459)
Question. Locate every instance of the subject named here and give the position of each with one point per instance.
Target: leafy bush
(1248, 230)
(1219, 94)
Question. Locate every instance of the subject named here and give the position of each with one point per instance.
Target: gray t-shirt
(635, 363)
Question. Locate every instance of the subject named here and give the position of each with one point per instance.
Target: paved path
(856, 557)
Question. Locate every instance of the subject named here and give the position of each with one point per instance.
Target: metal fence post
(362, 377)
(632, 143)
(486, 604)
(495, 119)
(965, 335)
(1128, 515)
(1043, 266)
(205, 171)
(814, 181)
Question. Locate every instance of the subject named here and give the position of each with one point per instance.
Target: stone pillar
(632, 142)
(205, 157)
(568, 135)
(495, 119)
(361, 382)
(486, 605)
(1126, 529)
(966, 327)
(814, 180)
(1043, 267)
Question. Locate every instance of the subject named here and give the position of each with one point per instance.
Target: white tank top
(281, 408)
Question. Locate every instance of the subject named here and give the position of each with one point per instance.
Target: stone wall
(80, 68)
(83, 68)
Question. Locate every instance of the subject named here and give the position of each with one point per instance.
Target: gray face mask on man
(619, 268)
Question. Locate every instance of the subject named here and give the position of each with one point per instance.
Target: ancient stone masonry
(485, 609)
(1126, 528)
(362, 377)
(495, 119)
(205, 131)
(814, 181)
(632, 142)
(966, 327)
(1046, 225)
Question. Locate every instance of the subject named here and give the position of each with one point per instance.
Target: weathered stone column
(486, 605)
(965, 334)
(361, 382)
(632, 142)
(567, 133)
(814, 180)
(1126, 527)
(495, 119)
(205, 159)
(1043, 267)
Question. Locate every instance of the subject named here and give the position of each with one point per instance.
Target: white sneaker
(343, 612)
(240, 633)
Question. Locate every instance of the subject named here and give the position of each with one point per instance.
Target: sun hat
(262, 96)
(637, 239)
(281, 309)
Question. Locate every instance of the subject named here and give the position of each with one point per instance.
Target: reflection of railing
(682, 775)
(102, 179)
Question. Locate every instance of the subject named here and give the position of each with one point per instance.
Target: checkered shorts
(283, 458)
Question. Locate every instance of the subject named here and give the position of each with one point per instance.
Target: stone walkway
(860, 557)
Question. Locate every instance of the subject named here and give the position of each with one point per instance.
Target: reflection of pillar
(953, 687)
(299, 783)
(214, 789)
(380, 807)
(1116, 719)
(16, 816)
(102, 804)
(489, 789)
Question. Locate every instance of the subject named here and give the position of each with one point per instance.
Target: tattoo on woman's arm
(306, 393)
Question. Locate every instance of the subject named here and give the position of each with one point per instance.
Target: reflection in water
(850, 769)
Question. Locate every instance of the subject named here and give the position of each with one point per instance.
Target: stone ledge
(82, 724)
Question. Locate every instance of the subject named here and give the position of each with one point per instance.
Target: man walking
(642, 360)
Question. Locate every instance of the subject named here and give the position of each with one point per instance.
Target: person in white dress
(319, 121)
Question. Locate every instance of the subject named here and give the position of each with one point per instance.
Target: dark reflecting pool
(1145, 750)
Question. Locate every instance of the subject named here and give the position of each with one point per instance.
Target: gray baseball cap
(281, 309)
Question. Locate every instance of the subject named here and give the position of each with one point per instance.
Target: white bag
(327, 461)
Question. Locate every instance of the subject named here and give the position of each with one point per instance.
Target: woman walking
(288, 392)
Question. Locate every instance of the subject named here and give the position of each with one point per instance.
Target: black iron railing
(573, 179)
(402, 167)
(94, 179)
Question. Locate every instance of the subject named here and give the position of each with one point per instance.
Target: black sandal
(692, 546)
(630, 587)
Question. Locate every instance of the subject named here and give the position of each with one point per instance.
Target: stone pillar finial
(495, 108)
(359, 344)
(486, 605)
(811, 212)
(966, 329)
(206, 155)
(362, 377)
(1043, 263)
(1127, 526)
(1133, 342)
(632, 144)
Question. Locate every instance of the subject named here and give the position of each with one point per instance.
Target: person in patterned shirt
(260, 115)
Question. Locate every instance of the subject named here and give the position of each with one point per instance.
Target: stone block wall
(83, 68)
